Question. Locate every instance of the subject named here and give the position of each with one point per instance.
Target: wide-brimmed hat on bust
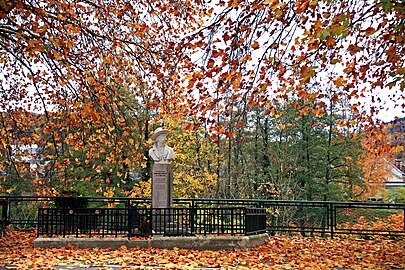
(159, 131)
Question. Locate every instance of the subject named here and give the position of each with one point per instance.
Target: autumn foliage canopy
(86, 80)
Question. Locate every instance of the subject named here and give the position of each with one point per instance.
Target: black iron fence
(255, 220)
(22, 211)
(326, 219)
(143, 221)
(79, 221)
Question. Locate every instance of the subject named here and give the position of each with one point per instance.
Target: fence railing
(326, 219)
(353, 218)
(79, 221)
(157, 221)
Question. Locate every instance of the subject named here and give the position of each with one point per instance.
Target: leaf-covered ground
(281, 252)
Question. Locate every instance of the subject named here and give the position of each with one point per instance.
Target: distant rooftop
(397, 126)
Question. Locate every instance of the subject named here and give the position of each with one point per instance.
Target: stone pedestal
(162, 186)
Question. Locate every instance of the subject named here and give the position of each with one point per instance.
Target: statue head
(157, 136)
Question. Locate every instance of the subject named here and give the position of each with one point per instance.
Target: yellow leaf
(188, 77)
(10, 190)
(397, 149)
(57, 56)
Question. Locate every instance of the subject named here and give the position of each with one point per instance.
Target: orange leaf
(353, 49)
(255, 45)
(330, 42)
(302, 6)
(211, 63)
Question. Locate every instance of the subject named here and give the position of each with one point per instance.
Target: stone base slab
(184, 242)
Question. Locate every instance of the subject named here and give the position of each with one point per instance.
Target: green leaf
(345, 34)
(342, 18)
(386, 5)
(334, 61)
(324, 35)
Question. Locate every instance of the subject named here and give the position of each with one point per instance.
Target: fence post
(332, 218)
(4, 216)
(191, 213)
(129, 217)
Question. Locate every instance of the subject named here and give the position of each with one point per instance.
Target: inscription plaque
(161, 186)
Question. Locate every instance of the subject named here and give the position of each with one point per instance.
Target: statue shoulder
(153, 149)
